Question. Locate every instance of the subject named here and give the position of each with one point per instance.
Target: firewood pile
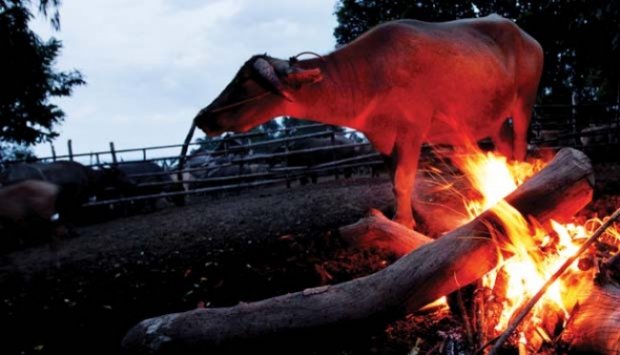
(464, 287)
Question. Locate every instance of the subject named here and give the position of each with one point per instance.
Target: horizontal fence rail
(582, 126)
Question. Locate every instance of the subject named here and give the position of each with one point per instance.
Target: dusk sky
(150, 65)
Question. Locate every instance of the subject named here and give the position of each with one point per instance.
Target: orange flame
(536, 255)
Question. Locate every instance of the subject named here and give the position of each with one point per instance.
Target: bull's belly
(459, 134)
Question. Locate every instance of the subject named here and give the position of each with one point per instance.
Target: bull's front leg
(405, 159)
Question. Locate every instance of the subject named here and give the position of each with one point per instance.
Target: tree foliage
(29, 79)
(581, 38)
(11, 151)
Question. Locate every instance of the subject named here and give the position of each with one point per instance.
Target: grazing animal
(401, 83)
(28, 208)
(78, 183)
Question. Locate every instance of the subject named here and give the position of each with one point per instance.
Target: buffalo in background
(148, 178)
(28, 213)
(315, 158)
(78, 184)
(221, 165)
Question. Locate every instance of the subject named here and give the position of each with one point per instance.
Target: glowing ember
(536, 254)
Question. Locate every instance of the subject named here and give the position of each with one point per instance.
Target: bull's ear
(298, 77)
(266, 71)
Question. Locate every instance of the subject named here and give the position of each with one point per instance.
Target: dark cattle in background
(26, 212)
(222, 170)
(230, 146)
(154, 180)
(226, 149)
(236, 169)
(78, 183)
(310, 159)
(209, 165)
(21, 172)
(198, 158)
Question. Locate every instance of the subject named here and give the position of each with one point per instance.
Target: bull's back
(466, 72)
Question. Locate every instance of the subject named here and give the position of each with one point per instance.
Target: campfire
(536, 253)
(513, 247)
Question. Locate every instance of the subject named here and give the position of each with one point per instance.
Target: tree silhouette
(29, 79)
(581, 38)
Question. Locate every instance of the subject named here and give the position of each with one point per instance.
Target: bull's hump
(412, 28)
(492, 19)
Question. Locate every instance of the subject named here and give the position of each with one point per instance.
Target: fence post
(53, 151)
(70, 149)
(249, 144)
(113, 153)
(181, 162)
(97, 158)
(286, 150)
(333, 142)
(143, 154)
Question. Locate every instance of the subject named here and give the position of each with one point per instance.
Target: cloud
(152, 64)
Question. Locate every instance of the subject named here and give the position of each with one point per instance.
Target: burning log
(433, 270)
(595, 326)
(573, 258)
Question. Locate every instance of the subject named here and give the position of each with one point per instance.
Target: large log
(427, 273)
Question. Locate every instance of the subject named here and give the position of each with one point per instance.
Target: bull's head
(262, 89)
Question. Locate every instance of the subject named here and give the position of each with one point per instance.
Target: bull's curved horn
(267, 72)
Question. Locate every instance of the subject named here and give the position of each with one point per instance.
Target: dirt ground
(81, 295)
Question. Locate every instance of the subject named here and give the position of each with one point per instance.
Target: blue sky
(151, 65)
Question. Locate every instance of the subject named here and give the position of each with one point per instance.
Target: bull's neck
(336, 98)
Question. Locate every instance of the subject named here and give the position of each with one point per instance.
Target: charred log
(595, 326)
(423, 275)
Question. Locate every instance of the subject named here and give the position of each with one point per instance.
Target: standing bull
(401, 84)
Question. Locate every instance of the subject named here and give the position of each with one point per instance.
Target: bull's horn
(267, 72)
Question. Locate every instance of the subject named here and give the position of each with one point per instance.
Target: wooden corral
(594, 129)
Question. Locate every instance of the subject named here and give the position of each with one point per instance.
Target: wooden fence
(550, 127)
